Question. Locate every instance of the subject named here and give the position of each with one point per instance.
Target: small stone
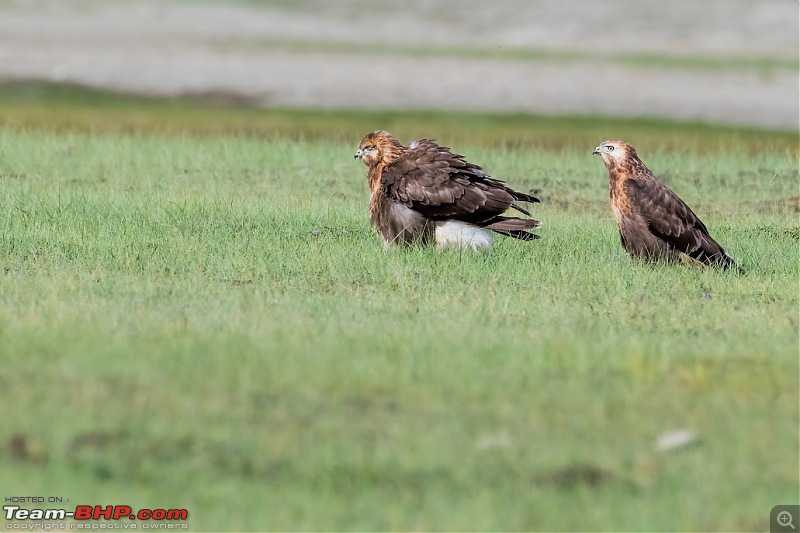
(674, 439)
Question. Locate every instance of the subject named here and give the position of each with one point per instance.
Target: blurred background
(195, 312)
(721, 61)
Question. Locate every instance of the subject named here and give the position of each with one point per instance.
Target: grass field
(194, 318)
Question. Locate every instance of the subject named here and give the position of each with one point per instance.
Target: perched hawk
(425, 193)
(653, 222)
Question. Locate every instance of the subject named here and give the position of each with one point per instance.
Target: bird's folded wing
(668, 217)
(439, 184)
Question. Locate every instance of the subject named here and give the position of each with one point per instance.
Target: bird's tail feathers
(720, 259)
(522, 197)
(727, 262)
(513, 227)
(520, 209)
(518, 234)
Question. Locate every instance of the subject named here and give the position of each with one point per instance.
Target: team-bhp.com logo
(85, 517)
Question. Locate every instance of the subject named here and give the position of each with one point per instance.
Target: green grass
(173, 335)
(69, 108)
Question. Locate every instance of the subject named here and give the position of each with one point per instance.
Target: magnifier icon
(785, 519)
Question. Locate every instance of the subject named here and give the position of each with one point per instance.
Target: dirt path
(177, 47)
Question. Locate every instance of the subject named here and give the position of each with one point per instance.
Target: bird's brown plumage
(654, 223)
(413, 188)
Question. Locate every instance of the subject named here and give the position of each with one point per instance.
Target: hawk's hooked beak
(357, 155)
(596, 150)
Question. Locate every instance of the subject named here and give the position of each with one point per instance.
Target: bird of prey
(654, 223)
(424, 193)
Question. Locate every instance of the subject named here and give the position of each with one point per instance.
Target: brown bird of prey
(654, 224)
(424, 193)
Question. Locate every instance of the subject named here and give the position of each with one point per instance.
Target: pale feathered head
(615, 152)
(378, 146)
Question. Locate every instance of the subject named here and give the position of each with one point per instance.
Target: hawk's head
(378, 146)
(614, 152)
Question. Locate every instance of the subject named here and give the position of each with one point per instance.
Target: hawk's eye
(610, 148)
